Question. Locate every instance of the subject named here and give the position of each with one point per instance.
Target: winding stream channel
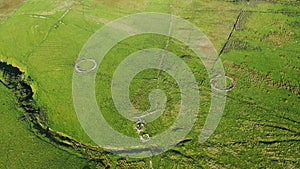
(16, 81)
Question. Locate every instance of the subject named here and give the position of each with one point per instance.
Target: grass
(64, 44)
(140, 87)
(20, 148)
(260, 126)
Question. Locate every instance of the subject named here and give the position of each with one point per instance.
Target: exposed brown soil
(8, 6)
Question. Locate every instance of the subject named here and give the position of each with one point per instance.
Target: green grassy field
(260, 127)
(20, 148)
